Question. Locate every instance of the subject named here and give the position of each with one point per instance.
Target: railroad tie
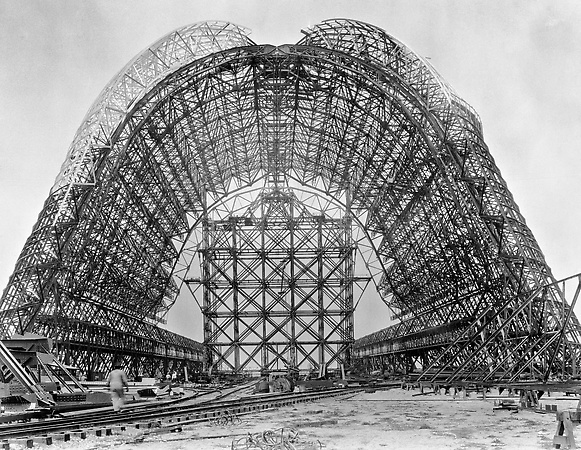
(100, 432)
(118, 429)
(43, 440)
(150, 424)
(24, 442)
(65, 437)
(80, 434)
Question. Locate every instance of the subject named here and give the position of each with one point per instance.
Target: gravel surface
(394, 419)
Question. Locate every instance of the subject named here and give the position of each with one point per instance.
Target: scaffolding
(277, 288)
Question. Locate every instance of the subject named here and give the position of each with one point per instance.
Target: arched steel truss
(205, 113)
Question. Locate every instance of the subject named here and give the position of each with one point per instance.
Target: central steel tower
(277, 287)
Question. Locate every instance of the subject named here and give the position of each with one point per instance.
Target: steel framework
(278, 287)
(460, 350)
(349, 113)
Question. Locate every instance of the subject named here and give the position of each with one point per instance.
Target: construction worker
(117, 383)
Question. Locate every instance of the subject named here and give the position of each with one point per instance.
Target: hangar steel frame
(205, 112)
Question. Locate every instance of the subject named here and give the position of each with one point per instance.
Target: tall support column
(347, 303)
(205, 271)
(320, 294)
(263, 305)
(235, 289)
(291, 288)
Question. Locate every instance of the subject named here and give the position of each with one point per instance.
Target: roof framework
(205, 113)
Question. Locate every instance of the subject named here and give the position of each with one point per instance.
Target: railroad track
(164, 418)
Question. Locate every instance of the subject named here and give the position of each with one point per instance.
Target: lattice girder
(277, 287)
(206, 113)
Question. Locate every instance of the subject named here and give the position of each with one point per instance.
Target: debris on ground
(278, 439)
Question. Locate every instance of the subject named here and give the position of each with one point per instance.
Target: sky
(516, 62)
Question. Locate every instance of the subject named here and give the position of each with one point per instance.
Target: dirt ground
(394, 419)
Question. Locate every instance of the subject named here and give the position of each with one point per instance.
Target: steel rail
(172, 417)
